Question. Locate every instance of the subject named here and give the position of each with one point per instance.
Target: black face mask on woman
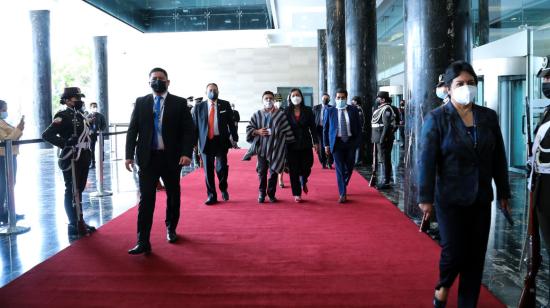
(78, 105)
(546, 89)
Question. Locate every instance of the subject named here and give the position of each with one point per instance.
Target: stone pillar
(101, 75)
(429, 50)
(336, 47)
(482, 23)
(322, 61)
(42, 71)
(361, 59)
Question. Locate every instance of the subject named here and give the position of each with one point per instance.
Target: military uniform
(61, 134)
(383, 128)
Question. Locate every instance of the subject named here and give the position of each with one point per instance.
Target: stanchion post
(12, 227)
(100, 181)
(116, 143)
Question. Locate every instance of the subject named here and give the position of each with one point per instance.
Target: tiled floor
(39, 194)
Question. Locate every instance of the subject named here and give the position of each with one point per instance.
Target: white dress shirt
(159, 135)
(216, 130)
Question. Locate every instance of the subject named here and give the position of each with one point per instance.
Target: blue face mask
(3, 115)
(213, 95)
(341, 103)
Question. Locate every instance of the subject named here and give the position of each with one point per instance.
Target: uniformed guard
(70, 132)
(384, 124)
(540, 161)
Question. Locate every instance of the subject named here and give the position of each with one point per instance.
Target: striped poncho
(272, 147)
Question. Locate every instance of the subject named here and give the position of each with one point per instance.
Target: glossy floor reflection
(502, 274)
(39, 195)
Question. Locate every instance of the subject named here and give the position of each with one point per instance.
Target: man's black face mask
(159, 86)
(546, 89)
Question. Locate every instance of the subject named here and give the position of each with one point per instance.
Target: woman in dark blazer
(462, 152)
(300, 155)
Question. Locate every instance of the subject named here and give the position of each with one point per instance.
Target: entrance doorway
(512, 118)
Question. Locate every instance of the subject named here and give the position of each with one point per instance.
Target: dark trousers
(93, 141)
(542, 206)
(267, 185)
(323, 157)
(464, 234)
(299, 168)
(160, 166)
(81, 173)
(213, 152)
(344, 159)
(383, 151)
(4, 187)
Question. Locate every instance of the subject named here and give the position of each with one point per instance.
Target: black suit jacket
(226, 125)
(177, 129)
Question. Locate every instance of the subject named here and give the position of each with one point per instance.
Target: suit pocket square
(223, 111)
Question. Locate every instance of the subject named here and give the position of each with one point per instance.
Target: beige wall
(241, 74)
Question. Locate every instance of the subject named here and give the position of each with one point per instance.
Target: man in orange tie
(213, 126)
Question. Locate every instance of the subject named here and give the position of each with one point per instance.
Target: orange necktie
(211, 122)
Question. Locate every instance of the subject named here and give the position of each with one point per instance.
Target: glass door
(512, 101)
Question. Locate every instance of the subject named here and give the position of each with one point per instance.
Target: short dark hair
(158, 69)
(342, 91)
(357, 99)
(93, 103)
(268, 93)
(325, 93)
(455, 69)
(3, 104)
(212, 84)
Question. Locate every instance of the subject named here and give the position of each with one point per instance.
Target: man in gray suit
(214, 125)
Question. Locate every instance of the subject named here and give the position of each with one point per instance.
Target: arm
(195, 116)
(386, 120)
(132, 134)
(500, 165)
(250, 128)
(313, 129)
(7, 132)
(102, 123)
(51, 134)
(231, 124)
(187, 131)
(427, 162)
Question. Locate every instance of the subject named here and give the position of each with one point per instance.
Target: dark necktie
(156, 122)
(343, 126)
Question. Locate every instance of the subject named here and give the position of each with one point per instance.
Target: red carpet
(318, 253)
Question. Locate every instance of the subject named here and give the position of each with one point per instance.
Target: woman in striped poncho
(269, 132)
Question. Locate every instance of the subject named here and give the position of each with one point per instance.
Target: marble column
(322, 61)
(336, 47)
(42, 71)
(482, 23)
(361, 59)
(429, 50)
(101, 75)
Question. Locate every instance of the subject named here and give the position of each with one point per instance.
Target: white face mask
(277, 105)
(441, 92)
(296, 100)
(465, 94)
(341, 103)
(268, 103)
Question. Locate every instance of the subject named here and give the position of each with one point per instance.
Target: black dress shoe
(261, 198)
(342, 199)
(439, 304)
(273, 199)
(211, 201)
(140, 248)
(225, 195)
(171, 236)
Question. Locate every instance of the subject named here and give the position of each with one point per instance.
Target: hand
(262, 132)
(129, 163)
(504, 205)
(327, 150)
(427, 209)
(21, 125)
(72, 141)
(185, 161)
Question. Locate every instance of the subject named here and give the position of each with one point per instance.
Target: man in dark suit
(162, 129)
(342, 133)
(97, 124)
(319, 111)
(214, 125)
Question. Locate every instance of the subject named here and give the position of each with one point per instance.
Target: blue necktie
(343, 127)
(156, 121)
